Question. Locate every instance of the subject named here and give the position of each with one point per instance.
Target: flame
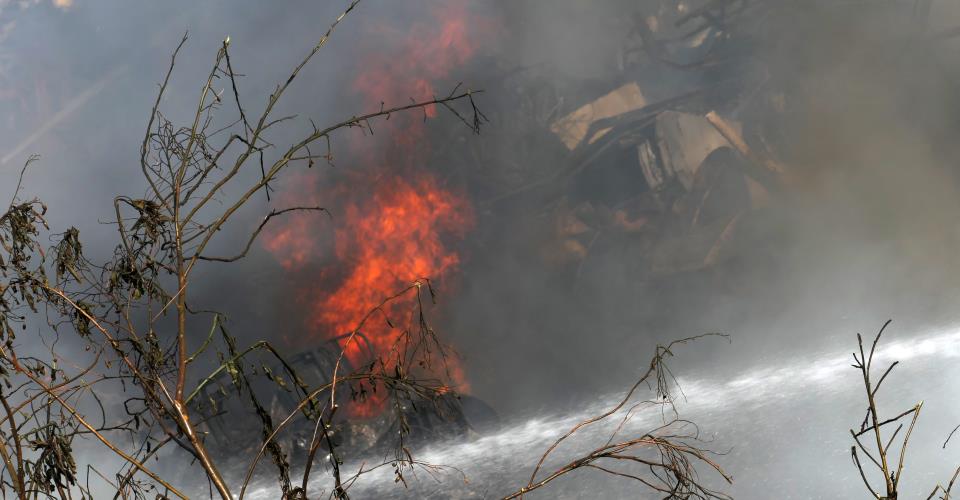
(423, 56)
(293, 242)
(400, 223)
(391, 239)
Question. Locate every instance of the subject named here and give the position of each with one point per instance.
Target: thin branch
(246, 248)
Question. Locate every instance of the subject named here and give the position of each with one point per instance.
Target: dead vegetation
(136, 316)
(885, 451)
(663, 460)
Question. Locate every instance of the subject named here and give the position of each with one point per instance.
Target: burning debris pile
(661, 167)
(685, 164)
(229, 420)
(397, 225)
(398, 222)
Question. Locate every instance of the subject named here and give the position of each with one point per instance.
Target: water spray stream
(495, 464)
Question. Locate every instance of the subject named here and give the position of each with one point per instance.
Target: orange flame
(399, 229)
(386, 242)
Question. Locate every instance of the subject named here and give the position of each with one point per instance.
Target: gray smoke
(867, 231)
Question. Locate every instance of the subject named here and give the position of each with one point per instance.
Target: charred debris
(229, 419)
(665, 158)
(670, 158)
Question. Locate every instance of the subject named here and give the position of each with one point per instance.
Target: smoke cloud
(859, 101)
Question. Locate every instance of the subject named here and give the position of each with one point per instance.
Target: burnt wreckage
(229, 420)
(662, 161)
(665, 162)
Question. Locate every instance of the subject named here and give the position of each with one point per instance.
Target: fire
(385, 242)
(422, 57)
(399, 223)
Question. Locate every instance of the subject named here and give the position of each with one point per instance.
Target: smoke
(866, 230)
